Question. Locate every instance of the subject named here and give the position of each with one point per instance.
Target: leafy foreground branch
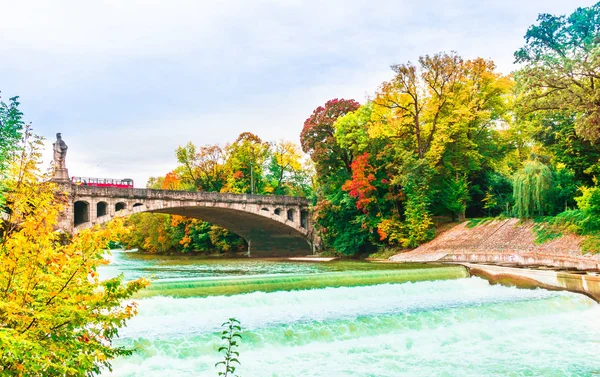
(229, 335)
(56, 317)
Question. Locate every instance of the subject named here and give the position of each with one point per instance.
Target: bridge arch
(81, 212)
(119, 206)
(101, 208)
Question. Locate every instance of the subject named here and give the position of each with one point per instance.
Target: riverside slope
(502, 241)
(492, 250)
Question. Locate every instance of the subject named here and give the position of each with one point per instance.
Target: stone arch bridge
(272, 225)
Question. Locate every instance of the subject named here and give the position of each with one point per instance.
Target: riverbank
(502, 241)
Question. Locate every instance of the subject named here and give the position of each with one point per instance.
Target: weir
(218, 286)
(349, 318)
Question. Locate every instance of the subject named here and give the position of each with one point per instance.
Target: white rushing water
(461, 327)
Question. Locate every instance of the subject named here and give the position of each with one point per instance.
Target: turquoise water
(455, 327)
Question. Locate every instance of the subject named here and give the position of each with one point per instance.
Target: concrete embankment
(502, 241)
(587, 283)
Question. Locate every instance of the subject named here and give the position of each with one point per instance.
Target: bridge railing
(187, 195)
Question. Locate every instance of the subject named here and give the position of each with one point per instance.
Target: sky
(128, 81)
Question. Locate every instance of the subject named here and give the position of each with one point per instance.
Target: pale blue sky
(126, 82)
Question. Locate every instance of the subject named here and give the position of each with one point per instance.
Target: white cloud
(128, 81)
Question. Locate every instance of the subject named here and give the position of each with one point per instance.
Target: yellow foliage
(57, 318)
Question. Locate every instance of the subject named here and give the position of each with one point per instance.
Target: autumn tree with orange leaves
(57, 317)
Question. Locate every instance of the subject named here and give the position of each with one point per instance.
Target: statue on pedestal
(60, 153)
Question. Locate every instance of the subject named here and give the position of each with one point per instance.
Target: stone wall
(585, 283)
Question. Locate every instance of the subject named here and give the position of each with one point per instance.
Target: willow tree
(531, 185)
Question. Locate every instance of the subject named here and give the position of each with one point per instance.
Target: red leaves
(318, 135)
(171, 181)
(360, 187)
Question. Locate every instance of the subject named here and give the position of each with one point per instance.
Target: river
(349, 319)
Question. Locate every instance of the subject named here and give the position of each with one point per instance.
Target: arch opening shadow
(290, 215)
(304, 219)
(268, 237)
(101, 209)
(81, 212)
(137, 205)
(120, 206)
(277, 211)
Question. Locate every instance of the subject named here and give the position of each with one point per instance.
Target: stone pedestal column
(65, 192)
(61, 175)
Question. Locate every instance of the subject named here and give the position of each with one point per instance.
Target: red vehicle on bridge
(102, 182)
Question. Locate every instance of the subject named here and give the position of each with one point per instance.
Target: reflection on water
(135, 265)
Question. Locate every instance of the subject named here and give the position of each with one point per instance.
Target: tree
(172, 181)
(155, 183)
(440, 116)
(454, 196)
(341, 225)
(188, 157)
(531, 186)
(151, 232)
(202, 168)
(556, 132)
(211, 166)
(56, 317)
(11, 125)
(286, 173)
(246, 157)
(361, 187)
(418, 98)
(352, 130)
(318, 137)
(562, 68)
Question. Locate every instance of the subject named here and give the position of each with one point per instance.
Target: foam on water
(461, 327)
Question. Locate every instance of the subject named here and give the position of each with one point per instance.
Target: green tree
(531, 187)
(556, 132)
(286, 173)
(444, 115)
(11, 126)
(454, 195)
(246, 158)
(562, 65)
(352, 130)
(201, 168)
